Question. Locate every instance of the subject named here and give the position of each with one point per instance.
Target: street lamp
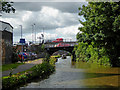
(32, 33)
(21, 30)
(35, 32)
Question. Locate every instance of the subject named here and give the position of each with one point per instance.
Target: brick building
(6, 41)
(21, 47)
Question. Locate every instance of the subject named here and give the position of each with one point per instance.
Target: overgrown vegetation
(99, 41)
(47, 58)
(15, 57)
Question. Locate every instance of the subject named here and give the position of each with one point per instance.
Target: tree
(6, 7)
(102, 26)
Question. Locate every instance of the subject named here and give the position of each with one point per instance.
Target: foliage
(53, 60)
(15, 57)
(100, 33)
(37, 48)
(43, 69)
(56, 56)
(43, 47)
(68, 54)
(14, 80)
(7, 7)
(47, 57)
(39, 71)
(87, 53)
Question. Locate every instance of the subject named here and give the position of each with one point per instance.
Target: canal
(71, 74)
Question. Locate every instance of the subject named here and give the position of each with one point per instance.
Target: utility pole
(21, 30)
(32, 33)
(35, 32)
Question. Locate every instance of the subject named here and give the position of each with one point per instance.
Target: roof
(6, 23)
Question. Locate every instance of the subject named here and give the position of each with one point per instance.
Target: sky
(56, 19)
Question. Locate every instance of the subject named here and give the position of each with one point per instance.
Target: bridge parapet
(64, 44)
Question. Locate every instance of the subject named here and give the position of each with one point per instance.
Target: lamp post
(22, 43)
(32, 33)
(35, 32)
(21, 30)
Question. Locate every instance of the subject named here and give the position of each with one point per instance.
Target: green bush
(56, 56)
(15, 80)
(39, 71)
(43, 69)
(85, 52)
(68, 54)
(52, 61)
(101, 26)
(15, 57)
(47, 57)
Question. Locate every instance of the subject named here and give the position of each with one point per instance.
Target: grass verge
(56, 56)
(10, 66)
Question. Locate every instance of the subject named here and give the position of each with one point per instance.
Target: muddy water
(70, 74)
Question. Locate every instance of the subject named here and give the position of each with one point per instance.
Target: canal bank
(70, 74)
(39, 70)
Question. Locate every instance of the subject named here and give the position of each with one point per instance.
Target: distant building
(6, 39)
(21, 47)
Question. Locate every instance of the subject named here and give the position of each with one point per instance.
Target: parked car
(34, 55)
(28, 55)
(22, 55)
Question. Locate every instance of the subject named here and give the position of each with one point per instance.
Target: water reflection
(70, 74)
(98, 75)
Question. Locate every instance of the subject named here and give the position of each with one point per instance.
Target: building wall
(19, 48)
(0, 59)
(7, 40)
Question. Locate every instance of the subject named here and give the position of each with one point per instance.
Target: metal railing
(57, 45)
(50, 44)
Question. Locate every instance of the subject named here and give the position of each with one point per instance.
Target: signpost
(22, 41)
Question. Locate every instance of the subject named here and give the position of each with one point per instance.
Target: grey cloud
(71, 7)
(67, 16)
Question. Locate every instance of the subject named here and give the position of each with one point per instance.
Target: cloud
(68, 32)
(70, 7)
(65, 33)
(49, 0)
(57, 21)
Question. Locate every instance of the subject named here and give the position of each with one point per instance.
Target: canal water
(71, 74)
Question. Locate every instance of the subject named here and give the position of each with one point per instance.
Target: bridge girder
(54, 49)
